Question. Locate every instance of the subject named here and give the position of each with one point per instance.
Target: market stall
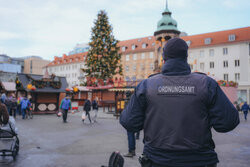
(8, 88)
(44, 91)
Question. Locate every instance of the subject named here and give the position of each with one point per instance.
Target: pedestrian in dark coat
(177, 109)
(95, 108)
(87, 108)
(13, 107)
(245, 108)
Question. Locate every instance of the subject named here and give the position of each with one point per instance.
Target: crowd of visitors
(20, 105)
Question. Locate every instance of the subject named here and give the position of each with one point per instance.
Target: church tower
(166, 29)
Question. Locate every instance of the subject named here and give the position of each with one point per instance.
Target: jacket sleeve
(61, 104)
(223, 116)
(132, 117)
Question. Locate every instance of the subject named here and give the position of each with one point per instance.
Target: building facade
(69, 66)
(12, 65)
(138, 56)
(34, 65)
(223, 55)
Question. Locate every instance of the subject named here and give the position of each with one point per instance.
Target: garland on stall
(227, 83)
(92, 81)
(56, 84)
(40, 84)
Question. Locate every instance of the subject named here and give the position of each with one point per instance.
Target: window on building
(144, 45)
(65, 61)
(143, 56)
(127, 68)
(124, 48)
(211, 64)
(151, 55)
(208, 41)
(151, 66)
(231, 37)
(77, 59)
(225, 77)
(134, 56)
(202, 53)
(237, 63)
(188, 43)
(134, 67)
(133, 47)
(225, 64)
(211, 52)
(237, 76)
(69, 67)
(225, 51)
(31, 66)
(70, 60)
(153, 44)
(127, 57)
(202, 66)
(142, 66)
(134, 78)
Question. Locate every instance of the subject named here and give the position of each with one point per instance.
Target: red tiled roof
(74, 57)
(138, 42)
(219, 37)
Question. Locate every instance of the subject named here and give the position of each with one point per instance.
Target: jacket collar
(177, 66)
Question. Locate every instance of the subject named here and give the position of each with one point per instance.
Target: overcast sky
(49, 28)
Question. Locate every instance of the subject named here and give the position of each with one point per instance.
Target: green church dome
(167, 23)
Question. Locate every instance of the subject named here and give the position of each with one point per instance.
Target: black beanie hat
(175, 48)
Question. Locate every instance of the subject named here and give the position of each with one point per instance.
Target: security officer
(177, 109)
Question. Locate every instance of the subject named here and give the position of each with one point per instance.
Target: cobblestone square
(47, 142)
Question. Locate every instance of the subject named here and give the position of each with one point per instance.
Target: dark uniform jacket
(87, 106)
(177, 110)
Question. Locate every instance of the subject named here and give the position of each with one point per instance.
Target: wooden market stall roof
(8, 86)
(54, 84)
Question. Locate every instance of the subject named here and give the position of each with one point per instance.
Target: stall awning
(83, 88)
(9, 86)
(121, 89)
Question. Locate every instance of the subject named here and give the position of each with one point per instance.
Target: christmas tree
(103, 59)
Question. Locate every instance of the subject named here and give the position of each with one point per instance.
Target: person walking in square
(65, 107)
(87, 108)
(13, 107)
(245, 108)
(25, 104)
(95, 108)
